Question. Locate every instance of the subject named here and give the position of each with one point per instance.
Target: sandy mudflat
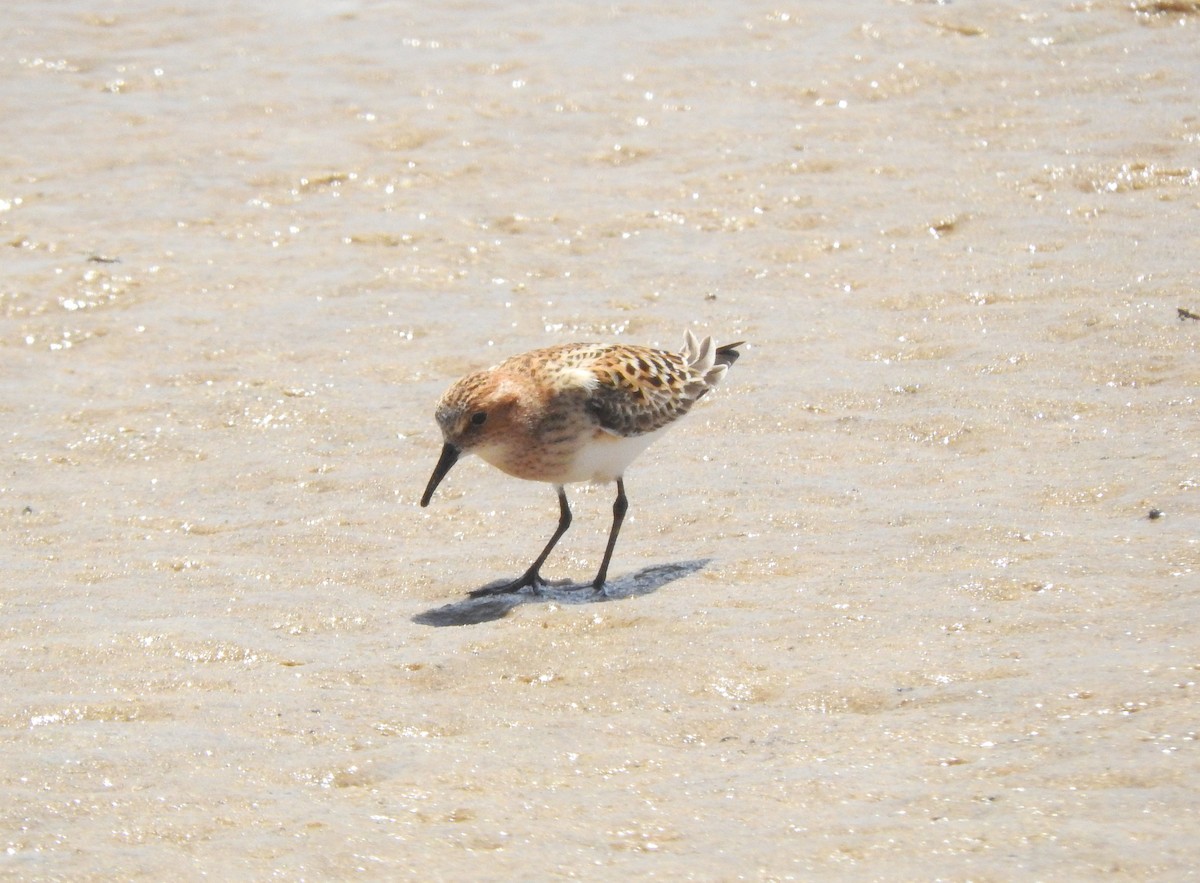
(888, 606)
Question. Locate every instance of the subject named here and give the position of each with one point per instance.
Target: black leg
(620, 506)
(532, 577)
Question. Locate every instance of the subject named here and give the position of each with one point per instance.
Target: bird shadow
(491, 607)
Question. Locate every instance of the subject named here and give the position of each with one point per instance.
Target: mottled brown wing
(640, 390)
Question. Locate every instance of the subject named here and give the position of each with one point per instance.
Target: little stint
(571, 413)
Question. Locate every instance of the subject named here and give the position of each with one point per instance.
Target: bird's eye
(478, 417)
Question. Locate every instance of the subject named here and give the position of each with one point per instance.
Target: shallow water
(890, 605)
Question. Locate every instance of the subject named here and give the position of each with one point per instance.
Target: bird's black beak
(449, 457)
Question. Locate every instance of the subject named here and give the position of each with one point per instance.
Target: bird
(576, 412)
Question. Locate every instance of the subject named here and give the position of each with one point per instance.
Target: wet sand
(889, 605)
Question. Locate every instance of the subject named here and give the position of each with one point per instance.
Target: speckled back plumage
(639, 390)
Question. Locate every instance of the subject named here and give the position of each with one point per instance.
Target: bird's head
(475, 414)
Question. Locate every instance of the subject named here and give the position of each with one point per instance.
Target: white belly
(605, 457)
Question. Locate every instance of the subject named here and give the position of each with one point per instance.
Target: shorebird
(578, 412)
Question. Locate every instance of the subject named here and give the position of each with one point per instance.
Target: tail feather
(709, 362)
(728, 354)
(697, 352)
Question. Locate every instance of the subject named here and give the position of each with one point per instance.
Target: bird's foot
(531, 579)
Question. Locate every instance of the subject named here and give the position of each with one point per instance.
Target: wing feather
(641, 390)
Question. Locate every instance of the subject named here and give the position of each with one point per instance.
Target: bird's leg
(532, 577)
(620, 506)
